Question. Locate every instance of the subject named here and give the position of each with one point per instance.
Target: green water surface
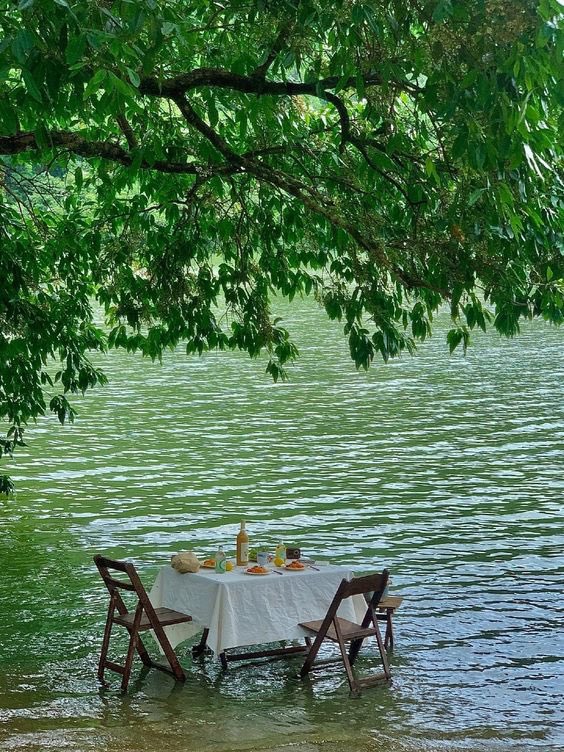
(447, 470)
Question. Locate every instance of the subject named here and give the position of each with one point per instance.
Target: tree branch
(362, 149)
(282, 36)
(341, 108)
(73, 142)
(127, 131)
(224, 79)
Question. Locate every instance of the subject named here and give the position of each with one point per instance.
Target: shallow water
(446, 470)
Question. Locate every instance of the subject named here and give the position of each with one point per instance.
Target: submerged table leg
(389, 639)
(201, 646)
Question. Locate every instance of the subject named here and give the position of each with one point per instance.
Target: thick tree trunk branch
(343, 115)
(76, 144)
(255, 84)
(193, 119)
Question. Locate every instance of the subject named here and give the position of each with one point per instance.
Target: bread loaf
(184, 562)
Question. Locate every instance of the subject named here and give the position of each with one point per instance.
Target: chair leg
(106, 642)
(383, 654)
(311, 656)
(348, 667)
(354, 650)
(174, 663)
(201, 646)
(128, 660)
(133, 639)
(143, 653)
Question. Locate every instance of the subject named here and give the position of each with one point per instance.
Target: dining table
(238, 609)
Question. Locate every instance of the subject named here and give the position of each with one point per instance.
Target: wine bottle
(242, 546)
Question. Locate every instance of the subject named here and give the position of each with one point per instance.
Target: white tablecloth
(241, 609)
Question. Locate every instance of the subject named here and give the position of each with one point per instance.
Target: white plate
(258, 574)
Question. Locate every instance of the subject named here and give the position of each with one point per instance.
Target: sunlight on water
(447, 470)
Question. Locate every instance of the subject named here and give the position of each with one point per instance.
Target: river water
(448, 470)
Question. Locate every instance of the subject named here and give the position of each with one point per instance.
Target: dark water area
(448, 470)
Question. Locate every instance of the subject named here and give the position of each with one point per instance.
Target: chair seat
(390, 601)
(349, 629)
(166, 617)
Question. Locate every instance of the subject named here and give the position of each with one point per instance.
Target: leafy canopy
(180, 162)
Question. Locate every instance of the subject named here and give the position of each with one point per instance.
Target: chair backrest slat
(103, 561)
(113, 583)
(372, 583)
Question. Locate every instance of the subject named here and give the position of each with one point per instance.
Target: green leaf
(430, 167)
(9, 119)
(31, 85)
(95, 82)
(475, 195)
(531, 159)
(23, 43)
(382, 160)
(454, 338)
(121, 86)
(75, 49)
(370, 15)
(133, 77)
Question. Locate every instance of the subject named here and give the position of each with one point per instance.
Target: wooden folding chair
(342, 631)
(142, 618)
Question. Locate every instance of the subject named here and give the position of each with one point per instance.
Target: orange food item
(257, 570)
(209, 563)
(295, 565)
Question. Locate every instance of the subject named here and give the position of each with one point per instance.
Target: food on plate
(257, 570)
(295, 565)
(209, 563)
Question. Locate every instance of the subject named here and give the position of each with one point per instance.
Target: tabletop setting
(259, 560)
